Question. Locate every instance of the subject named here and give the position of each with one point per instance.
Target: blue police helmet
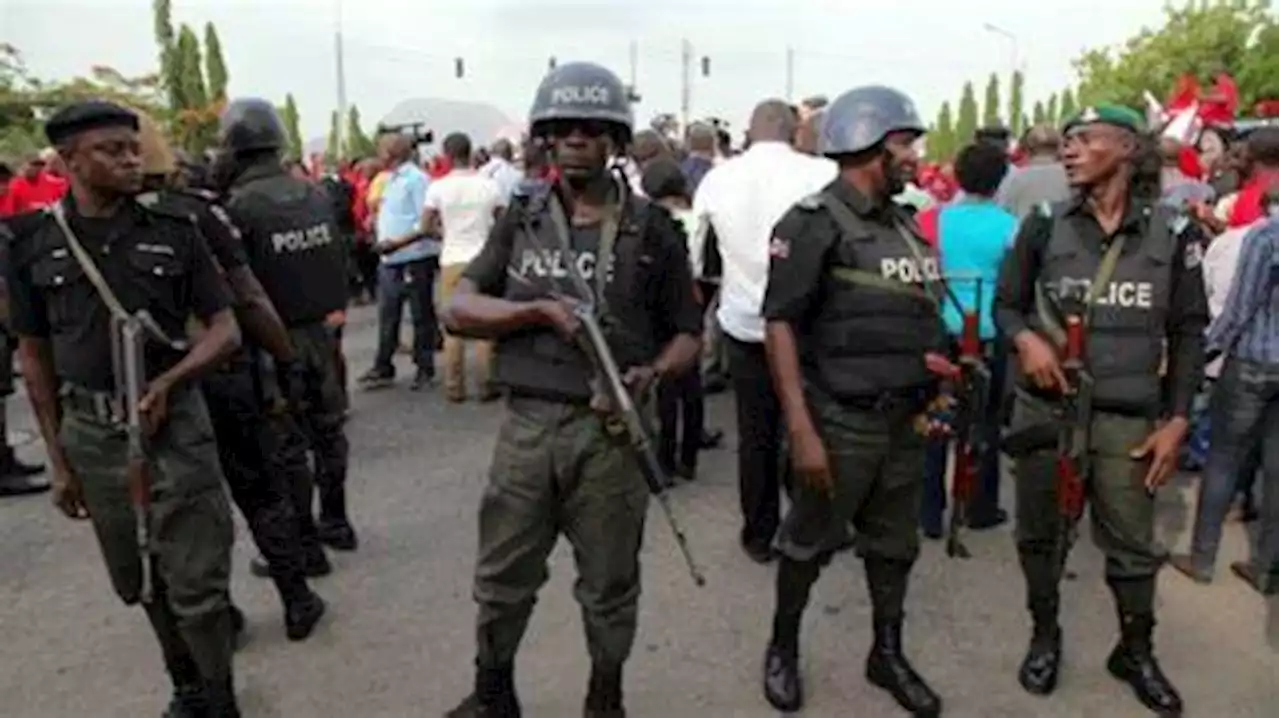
(861, 118)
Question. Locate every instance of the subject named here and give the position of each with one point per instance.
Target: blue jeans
(413, 282)
(986, 500)
(1243, 416)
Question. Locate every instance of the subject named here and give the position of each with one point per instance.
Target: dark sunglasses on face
(591, 129)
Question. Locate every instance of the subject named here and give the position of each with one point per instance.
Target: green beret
(84, 116)
(1117, 115)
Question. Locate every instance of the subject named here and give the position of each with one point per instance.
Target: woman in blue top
(973, 235)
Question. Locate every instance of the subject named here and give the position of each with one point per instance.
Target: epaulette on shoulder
(200, 193)
(163, 205)
(811, 203)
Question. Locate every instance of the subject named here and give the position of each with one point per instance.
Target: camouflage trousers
(191, 529)
(321, 419)
(555, 471)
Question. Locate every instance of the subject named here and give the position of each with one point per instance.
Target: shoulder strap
(1106, 268)
(604, 252)
(118, 312)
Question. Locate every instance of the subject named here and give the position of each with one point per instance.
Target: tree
(1017, 117)
(292, 130)
(215, 67)
(941, 142)
(1202, 38)
(1037, 113)
(991, 102)
(333, 150)
(966, 116)
(1068, 109)
(1051, 109)
(196, 118)
(358, 143)
(170, 64)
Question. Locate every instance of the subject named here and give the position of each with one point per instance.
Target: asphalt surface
(398, 639)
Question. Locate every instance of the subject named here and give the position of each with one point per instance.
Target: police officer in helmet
(234, 393)
(556, 468)
(1129, 268)
(854, 290)
(295, 250)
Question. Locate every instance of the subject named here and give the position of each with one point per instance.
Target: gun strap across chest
(103, 289)
(1106, 268)
(609, 226)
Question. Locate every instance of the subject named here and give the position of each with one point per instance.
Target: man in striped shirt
(1243, 411)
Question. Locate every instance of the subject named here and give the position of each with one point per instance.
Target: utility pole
(341, 70)
(686, 78)
(791, 72)
(633, 59)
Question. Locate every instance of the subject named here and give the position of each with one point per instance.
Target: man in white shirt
(461, 208)
(501, 169)
(741, 200)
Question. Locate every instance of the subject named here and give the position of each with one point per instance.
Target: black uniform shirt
(1188, 308)
(674, 308)
(153, 258)
(220, 233)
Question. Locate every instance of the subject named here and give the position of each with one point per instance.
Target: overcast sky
(397, 49)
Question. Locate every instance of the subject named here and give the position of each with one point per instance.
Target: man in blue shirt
(973, 235)
(410, 261)
(1242, 412)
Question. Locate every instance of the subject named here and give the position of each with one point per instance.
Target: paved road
(398, 641)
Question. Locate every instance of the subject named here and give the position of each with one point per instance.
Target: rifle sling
(103, 289)
(1106, 268)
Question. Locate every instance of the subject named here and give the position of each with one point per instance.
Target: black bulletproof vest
(293, 244)
(1126, 332)
(537, 361)
(866, 340)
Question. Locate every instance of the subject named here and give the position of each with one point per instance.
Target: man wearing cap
(67, 281)
(1129, 269)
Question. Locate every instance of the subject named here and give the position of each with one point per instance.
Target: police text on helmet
(580, 95)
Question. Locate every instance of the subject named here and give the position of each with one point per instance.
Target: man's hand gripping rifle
(970, 442)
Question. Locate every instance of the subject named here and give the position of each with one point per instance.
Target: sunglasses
(591, 129)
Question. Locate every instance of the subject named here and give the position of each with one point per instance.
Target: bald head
(504, 149)
(772, 121)
(1042, 140)
(702, 138)
(647, 146)
(397, 147)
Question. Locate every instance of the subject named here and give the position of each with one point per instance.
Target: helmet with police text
(581, 91)
(861, 118)
(250, 124)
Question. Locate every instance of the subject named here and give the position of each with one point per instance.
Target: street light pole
(1013, 43)
(340, 69)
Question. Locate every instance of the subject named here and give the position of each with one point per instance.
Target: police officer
(296, 252)
(1137, 266)
(235, 395)
(555, 467)
(149, 258)
(853, 290)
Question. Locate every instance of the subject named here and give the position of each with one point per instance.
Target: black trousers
(759, 442)
(680, 412)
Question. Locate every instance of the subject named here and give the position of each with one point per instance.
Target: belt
(912, 399)
(103, 406)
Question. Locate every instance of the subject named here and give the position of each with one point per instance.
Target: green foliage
(170, 67)
(991, 102)
(1202, 38)
(1051, 109)
(1017, 115)
(359, 144)
(941, 142)
(1037, 113)
(966, 116)
(293, 132)
(215, 67)
(1068, 107)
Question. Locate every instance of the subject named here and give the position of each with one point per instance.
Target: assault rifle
(969, 426)
(1076, 409)
(128, 344)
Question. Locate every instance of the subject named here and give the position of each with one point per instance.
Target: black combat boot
(783, 687)
(494, 696)
(604, 693)
(222, 699)
(1038, 673)
(887, 667)
(334, 528)
(188, 701)
(1133, 662)
(302, 611)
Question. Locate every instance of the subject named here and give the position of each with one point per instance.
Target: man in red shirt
(38, 186)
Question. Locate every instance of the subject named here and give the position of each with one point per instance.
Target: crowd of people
(820, 272)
